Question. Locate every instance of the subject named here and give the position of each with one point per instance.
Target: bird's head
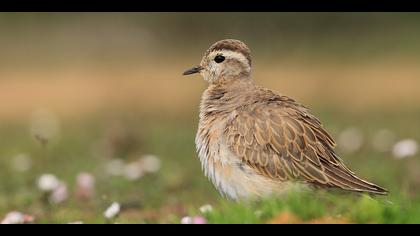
(224, 60)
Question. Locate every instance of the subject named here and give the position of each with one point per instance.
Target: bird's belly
(235, 179)
(230, 175)
(234, 183)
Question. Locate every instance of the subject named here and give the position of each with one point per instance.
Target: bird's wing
(281, 140)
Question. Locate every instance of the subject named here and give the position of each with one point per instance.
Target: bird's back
(272, 135)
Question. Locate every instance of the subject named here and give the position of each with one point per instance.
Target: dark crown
(231, 45)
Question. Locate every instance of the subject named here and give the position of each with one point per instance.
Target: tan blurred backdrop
(78, 64)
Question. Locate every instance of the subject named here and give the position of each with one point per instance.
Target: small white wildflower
(85, 180)
(59, 194)
(150, 163)
(186, 220)
(85, 186)
(193, 220)
(405, 148)
(133, 171)
(112, 211)
(16, 217)
(206, 208)
(350, 140)
(76, 223)
(48, 182)
(13, 218)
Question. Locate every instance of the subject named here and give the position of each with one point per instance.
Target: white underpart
(222, 167)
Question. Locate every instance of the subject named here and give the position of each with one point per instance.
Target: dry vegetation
(76, 93)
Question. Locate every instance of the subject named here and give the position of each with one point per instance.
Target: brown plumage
(252, 140)
(230, 45)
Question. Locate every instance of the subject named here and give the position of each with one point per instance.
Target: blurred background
(94, 110)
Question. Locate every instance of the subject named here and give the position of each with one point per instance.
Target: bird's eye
(219, 58)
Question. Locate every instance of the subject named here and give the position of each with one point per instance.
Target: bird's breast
(231, 176)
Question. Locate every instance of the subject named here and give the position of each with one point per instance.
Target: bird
(254, 142)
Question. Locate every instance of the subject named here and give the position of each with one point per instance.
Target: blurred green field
(96, 92)
(179, 188)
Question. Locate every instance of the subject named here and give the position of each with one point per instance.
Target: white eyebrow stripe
(232, 54)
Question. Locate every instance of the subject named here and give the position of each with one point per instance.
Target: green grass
(308, 206)
(179, 188)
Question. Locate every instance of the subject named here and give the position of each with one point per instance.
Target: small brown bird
(253, 142)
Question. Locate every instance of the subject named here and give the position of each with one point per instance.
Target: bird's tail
(345, 179)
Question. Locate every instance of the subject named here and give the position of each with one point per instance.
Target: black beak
(193, 70)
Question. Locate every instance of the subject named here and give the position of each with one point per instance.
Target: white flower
(16, 217)
(405, 148)
(13, 218)
(133, 171)
(85, 180)
(193, 220)
(76, 223)
(59, 194)
(22, 162)
(206, 208)
(112, 211)
(85, 186)
(350, 140)
(115, 167)
(186, 220)
(150, 163)
(48, 182)
(383, 140)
